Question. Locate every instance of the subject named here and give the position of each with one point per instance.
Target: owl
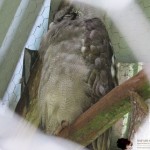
(77, 69)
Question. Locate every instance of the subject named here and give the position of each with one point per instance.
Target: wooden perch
(106, 111)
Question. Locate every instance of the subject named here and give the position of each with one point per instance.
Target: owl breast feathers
(78, 66)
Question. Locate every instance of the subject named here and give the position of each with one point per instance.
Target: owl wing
(102, 77)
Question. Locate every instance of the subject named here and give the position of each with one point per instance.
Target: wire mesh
(13, 92)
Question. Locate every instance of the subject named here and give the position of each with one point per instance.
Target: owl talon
(61, 127)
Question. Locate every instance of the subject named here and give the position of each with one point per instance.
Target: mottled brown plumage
(77, 65)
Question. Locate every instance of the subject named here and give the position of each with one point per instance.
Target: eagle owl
(78, 68)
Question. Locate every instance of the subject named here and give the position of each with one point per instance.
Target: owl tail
(102, 142)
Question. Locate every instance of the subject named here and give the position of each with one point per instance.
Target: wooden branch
(97, 119)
